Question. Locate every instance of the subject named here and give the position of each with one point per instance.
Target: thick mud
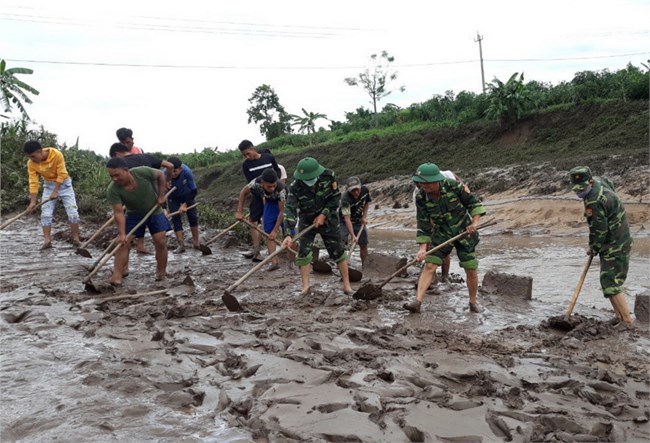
(177, 366)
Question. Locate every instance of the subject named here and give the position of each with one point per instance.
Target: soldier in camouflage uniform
(609, 235)
(314, 198)
(448, 206)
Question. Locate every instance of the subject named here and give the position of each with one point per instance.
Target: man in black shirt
(118, 150)
(353, 212)
(253, 167)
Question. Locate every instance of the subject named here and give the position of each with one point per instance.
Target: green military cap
(308, 169)
(580, 176)
(428, 173)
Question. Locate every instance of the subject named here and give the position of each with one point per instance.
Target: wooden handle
(169, 216)
(356, 240)
(261, 231)
(94, 236)
(576, 293)
(221, 234)
(10, 221)
(432, 250)
(135, 228)
(266, 260)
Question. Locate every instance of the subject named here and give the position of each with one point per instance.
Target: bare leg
(363, 252)
(619, 303)
(472, 287)
(426, 277)
(255, 236)
(180, 239)
(446, 263)
(160, 243)
(195, 236)
(74, 232)
(275, 263)
(121, 263)
(47, 237)
(345, 277)
(139, 246)
(304, 275)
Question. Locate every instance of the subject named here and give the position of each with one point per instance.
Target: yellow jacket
(52, 169)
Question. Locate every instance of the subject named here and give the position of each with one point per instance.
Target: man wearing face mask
(314, 197)
(609, 235)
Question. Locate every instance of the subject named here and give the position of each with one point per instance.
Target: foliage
(510, 100)
(13, 90)
(266, 108)
(307, 122)
(376, 78)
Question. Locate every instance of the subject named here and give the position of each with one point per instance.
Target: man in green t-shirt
(138, 189)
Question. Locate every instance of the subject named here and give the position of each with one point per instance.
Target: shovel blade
(321, 267)
(205, 250)
(84, 253)
(231, 302)
(367, 292)
(355, 275)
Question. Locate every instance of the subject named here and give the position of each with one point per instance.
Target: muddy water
(322, 368)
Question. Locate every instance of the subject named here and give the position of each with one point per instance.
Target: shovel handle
(356, 240)
(261, 231)
(434, 249)
(131, 232)
(576, 293)
(11, 220)
(169, 216)
(221, 234)
(97, 232)
(266, 260)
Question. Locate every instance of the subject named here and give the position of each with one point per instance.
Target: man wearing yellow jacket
(50, 164)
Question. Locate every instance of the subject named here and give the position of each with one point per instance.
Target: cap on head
(428, 173)
(580, 176)
(308, 169)
(353, 183)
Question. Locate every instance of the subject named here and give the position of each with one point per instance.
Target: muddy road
(179, 367)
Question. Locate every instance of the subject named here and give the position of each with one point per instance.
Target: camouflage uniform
(308, 202)
(451, 213)
(609, 235)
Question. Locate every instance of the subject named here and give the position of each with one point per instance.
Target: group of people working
(314, 204)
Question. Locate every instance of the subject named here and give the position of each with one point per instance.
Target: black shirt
(355, 206)
(254, 168)
(135, 160)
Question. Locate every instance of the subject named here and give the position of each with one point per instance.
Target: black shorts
(256, 208)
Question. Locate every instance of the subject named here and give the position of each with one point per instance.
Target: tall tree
(375, 80)
(266, 108)
(14, 90)
(307, 122)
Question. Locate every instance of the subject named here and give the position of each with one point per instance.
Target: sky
(180, 74)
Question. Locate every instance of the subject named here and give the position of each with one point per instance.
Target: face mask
(311, 182)
(584, 193)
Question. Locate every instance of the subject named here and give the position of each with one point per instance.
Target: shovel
(102, 262)
(204, 247)
(576, 293)
(81, 250)
(11, 220)
(265, 235)
(370, 292)
(229, 300)
(187, 287)
(169, 216)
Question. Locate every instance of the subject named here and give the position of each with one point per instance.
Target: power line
(297, 68)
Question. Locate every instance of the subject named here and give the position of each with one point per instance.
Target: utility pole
(479, 38)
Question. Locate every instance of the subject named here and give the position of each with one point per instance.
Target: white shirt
(283, 172)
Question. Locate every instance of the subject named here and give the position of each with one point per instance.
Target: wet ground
(178, 367)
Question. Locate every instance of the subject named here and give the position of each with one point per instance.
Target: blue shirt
(185, 185)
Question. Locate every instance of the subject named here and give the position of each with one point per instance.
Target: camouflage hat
(580, 176)
(353, 183)
(428, 173)
(308, 169)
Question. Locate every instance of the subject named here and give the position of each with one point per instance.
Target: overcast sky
(180, 73)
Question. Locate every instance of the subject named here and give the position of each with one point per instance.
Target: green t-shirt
(143, 198)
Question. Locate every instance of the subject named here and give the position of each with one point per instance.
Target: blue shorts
(192, 214)
(271, 214)
(155, 223)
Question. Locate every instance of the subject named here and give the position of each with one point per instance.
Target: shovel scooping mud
(230, 300)
(186, 288)
(25, 212)
(370, 291)
(576, 293)
(81, 250)
(89, 286)
(204, 247)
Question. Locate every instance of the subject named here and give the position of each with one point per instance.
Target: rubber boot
(619, 303)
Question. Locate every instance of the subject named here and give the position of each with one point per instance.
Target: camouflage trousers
(465, 249)
(331, 236)
(614, 263)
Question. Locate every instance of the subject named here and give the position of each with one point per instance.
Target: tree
(376, 78)
(508, 101)
(307, 123)
(14, 90)
(266, 108)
